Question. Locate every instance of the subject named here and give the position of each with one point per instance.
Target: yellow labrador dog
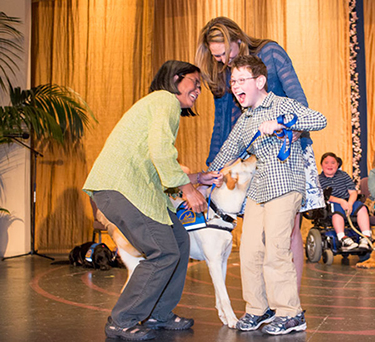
(212, 243)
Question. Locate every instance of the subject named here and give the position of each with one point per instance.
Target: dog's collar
(90, 252)
(219, 227)
(225, 217)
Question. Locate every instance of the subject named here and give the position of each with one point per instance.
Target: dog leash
(283, 154)
(358, 232)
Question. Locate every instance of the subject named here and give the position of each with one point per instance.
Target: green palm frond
(10, 48)
(3, 210)
(47, 110)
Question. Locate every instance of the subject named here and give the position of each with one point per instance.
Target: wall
(14, 158)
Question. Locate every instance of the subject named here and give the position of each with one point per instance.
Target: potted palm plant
(46, 111)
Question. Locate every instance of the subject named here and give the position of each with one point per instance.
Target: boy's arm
(353, 194)
(231, 148)
(308, 119)
(346, 205)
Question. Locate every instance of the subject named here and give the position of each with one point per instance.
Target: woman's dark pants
(155, 288)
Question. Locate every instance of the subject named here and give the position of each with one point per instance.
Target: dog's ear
(230, 181)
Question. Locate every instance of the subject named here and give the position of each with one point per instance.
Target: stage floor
(41, 302)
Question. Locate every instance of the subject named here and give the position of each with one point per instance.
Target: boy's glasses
(240, 81)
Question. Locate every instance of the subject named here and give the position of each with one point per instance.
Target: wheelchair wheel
(328, 257)
(314, 245)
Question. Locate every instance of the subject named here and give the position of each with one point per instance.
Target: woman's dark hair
(331, 154)
(165, 79)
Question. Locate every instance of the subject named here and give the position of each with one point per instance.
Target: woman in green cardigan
(128, 182)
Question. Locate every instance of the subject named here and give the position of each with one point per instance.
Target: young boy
(275, 195)
(344, 199)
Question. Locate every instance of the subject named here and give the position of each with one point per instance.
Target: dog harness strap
(218, 227)
(90, 252)
(225, 217)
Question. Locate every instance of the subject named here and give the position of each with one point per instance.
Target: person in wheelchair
(344, 200)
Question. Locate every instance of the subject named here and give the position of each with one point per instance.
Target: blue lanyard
(284, 153)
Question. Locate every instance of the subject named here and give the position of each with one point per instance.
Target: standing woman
(220, 41)
(128, 182)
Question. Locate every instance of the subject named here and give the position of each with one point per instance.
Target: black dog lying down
(95, 255)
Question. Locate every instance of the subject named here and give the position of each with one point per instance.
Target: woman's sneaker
(135, 333)
(173, 323)
(284, 325)
(252, 322)
(348, 244)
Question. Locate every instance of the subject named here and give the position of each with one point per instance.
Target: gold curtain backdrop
(109, 50)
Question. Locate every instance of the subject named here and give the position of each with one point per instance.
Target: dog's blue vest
(90, 252)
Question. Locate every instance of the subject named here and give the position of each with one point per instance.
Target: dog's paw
(366, 264)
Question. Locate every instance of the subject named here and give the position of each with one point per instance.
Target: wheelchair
(322, 241)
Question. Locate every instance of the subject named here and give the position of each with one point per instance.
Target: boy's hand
(347, 206)
(269, 127)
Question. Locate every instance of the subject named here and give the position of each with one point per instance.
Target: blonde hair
(222, 30)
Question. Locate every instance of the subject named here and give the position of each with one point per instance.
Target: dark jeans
(156, 285)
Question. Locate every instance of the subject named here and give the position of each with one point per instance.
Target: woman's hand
(194, 199)
(210, 178)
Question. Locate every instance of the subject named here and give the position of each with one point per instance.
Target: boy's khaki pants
(267, 270)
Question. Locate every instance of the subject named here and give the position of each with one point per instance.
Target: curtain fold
(321, 61)
(101, 49)
(109, 50)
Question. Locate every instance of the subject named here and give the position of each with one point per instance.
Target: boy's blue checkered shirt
(273, 178)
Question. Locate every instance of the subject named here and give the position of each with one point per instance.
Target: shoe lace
(280, 320)
(252, 318)
(347, 241)
(249, 318)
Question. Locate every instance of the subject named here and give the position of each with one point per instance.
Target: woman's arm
(273, 53)
(207, 178)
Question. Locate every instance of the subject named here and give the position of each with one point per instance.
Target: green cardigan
(139, 158)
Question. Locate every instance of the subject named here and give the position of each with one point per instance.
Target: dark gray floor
(44, 302)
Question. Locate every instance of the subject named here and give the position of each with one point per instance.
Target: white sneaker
(364, 244)
(347, 244)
